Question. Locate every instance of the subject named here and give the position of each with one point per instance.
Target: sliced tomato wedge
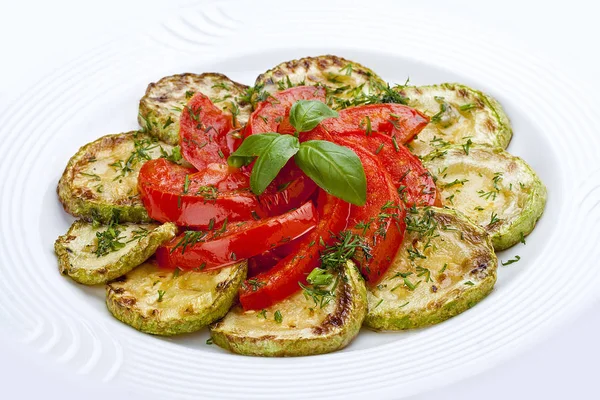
(215, 194)
(204, 133)
(412, 180)
(282, 280)
(209, 250)
(397, 120)
(380, 222)
(272, 115)
(208, 197)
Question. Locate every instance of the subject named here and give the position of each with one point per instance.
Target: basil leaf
(273, 151)
(336, 169)
(250, 148)
(306, 114)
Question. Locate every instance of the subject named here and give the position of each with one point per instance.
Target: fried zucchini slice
(495, 189)
(445, 265)
(297, 326)
(101, 178)
(161, 106)
(345, 79)
(459, 115)
(92, 255)
(170, 302)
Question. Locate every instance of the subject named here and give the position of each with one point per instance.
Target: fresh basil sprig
(336, 169)
(273, 151)
(307, 114)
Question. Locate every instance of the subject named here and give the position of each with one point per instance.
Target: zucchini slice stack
(298, 325)
(445, 265)
(459, 115)
(161, 106)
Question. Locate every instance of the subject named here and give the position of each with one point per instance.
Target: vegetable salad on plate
(285, 215)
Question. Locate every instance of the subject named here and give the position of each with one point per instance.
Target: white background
(36, 37)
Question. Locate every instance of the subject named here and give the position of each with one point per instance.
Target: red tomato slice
(282, 280)
(414, 183)
(380, 222)
(204, 133)
(272, 115)
(215, 194)
(208, 198)
(235, 242)
(397, 120)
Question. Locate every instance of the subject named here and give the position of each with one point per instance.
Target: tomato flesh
(290, 189)
(397, 120)
(236, 242)
(281, 281)
(380, 222)
(412, 180)
(204, 133)
(268, 259)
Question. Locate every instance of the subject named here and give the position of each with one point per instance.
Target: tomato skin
(414, 183)
(204, 133)
(239, 241)
(281, 281)
(380, 222)
(272, 115)
(161, 186)
(404, 124)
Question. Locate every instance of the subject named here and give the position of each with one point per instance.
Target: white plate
(98, 94)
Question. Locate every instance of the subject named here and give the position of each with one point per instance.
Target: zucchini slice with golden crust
(161, 106)
(459, 114)
(170, 302)
(92, 255)
(344, 79)
(100, 180)
(445, 265)
(496, 190)
(297, 326)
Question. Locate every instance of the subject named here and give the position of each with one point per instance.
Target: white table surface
(44, 35)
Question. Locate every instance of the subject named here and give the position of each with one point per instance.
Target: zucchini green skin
(336, 325)
(348, 77)
(76, 257)
(190, 300)
(160, 108)
(468, 252)
(517, 199)
(90, 188)
(481, 118)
